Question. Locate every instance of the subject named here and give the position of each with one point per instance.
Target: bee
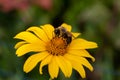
(62, 32)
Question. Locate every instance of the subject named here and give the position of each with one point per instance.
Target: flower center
(57, 46)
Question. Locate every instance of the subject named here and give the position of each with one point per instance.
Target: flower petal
(19, 44)
(81, 53)
(75, 34)
(69, 67)
(82, 44)
(53, 68)
(64, 65)
(76, 65)
(86, 63)
(79, 68)
(80, 60)
(27, 36)
(33, 60)
(29, 48)
(66, 26)
(49, 30)
(39, 32)
(44, 62)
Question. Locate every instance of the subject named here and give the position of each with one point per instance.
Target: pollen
(57, 46)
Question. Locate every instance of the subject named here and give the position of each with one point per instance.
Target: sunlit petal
(49, 30)
(68, 27)
(86, 63)
(33, 60)
(75, 34)
(64, 65)
(81, 53)
(76, 65)
(29, 48)
(82, 44)
(69, 66)
(53, 68)
(79, 68)
(27, 36)
(80, 60)
(39, 32)
(44, 62)
(19, 44)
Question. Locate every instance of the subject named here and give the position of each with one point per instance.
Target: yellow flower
(53, 50)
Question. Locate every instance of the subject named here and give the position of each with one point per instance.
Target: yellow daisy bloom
(58, 48)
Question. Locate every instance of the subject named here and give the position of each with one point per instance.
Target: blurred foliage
(97, 20)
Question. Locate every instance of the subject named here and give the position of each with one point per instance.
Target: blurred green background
(97, 20)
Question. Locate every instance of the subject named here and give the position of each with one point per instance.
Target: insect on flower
(62, 32)
(58, 48)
